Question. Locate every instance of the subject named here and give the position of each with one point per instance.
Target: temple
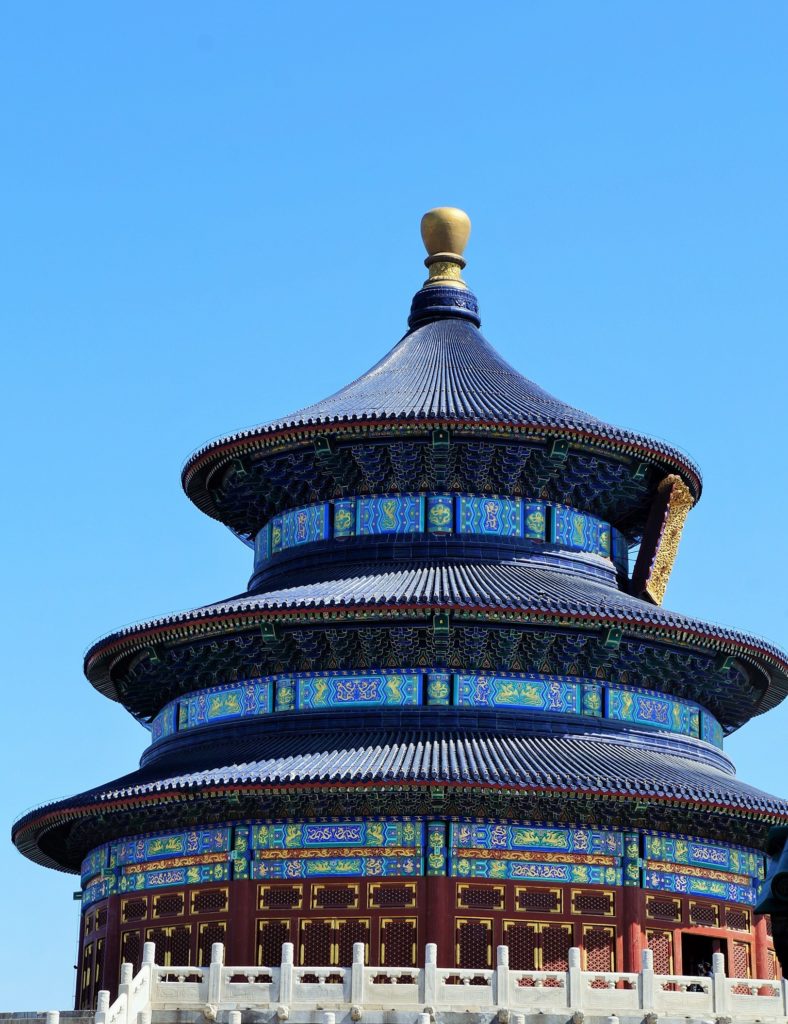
(450, 706)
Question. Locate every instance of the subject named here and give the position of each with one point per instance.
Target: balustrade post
(329, 1018)
(574, 981)
(215, 974)
(102, 1005)
(430, 993)
(357, 974)
(646, 982)
(783, 983)
(719, 985)
(501, 994)
(53, 1017)
(148, 963)
(286, 975)
(234, 1017)
(124, 988)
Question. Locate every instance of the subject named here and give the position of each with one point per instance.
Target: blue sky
(210, 217)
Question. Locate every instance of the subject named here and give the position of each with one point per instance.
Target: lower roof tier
(576, 778)
(742, 674)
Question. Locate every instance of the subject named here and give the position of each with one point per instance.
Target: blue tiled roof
(447, 370)
(559, 762)
(514, 586)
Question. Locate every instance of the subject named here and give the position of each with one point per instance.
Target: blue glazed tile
(390, 514)
(524, 691)
(344, 517)
(534, 520)
(440, 513)
(374, 689)
(489, 516)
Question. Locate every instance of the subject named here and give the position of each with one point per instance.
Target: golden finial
(445, 232)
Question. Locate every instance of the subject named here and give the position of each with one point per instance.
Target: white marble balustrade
(404, 995)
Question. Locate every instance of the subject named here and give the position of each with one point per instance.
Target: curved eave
(396, 601)
(204, 462)
(29, 830)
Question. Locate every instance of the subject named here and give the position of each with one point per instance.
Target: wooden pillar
(437, 916)
(241, 916)
(112, 946)
(762, 963)
(632, 927)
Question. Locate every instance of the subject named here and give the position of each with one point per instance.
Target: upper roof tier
(442, 374)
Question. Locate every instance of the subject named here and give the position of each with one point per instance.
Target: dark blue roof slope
(446, 370)
(436, 756)
(516, 586)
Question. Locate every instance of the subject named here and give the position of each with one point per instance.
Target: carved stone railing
(361, 992)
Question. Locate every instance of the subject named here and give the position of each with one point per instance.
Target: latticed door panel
(173, 945)
(398, 941)
(473, 943)
(326, 942)
(599, 947)
(131, 948)
(208, 933)
(86, 978)
(556, 941)
(661, 945)
(538, 946)
(522, 938)
(270, 936)
(347, 933)
(315, 943)
(741, 961)
(98, 972)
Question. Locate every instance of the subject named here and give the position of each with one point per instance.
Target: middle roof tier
(516, 615)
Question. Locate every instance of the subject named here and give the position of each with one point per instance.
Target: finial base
(445, 268)
(440, 301)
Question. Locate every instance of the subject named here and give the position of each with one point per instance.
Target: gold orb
(445, 230)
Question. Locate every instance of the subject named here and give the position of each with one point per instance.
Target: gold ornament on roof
(445, 232)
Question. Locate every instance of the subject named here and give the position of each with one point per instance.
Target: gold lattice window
(134, 908)
(704, 915)
(330, 897)
(169, 904)
(737, 919)
(480, 897)
(208, 901)
(663, 908)
(392, 894)
(279, 897)
(596, 902)
(538, 899)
